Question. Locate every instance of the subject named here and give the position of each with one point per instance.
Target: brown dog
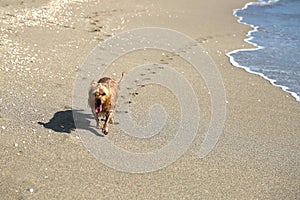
(103, 96)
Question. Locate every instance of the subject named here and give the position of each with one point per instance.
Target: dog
(103, 96)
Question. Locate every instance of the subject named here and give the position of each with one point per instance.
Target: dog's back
(106, 80)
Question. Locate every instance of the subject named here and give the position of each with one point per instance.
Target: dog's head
(101, 94)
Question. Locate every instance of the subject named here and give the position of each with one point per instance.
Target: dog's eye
(103, 94)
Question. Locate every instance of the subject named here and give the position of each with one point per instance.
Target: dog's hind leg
(111, 120)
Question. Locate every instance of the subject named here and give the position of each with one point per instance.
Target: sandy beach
(43, 47)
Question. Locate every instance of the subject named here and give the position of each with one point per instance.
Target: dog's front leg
(98, 121)
(109, 118)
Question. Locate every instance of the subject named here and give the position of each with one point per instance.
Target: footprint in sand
(141, 81)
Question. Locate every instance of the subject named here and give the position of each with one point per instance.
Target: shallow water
(276, 34)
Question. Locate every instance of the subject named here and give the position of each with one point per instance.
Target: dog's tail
(123, 73)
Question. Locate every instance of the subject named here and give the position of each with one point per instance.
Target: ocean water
(276, 37)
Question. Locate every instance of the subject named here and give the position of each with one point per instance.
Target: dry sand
(42, 48)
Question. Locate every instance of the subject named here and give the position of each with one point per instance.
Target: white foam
(256, 47)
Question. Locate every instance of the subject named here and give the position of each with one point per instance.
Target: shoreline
(43, 157)
(255, 48)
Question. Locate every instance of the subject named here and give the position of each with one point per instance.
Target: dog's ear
(93, 83)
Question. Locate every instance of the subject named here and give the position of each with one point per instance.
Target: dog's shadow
(63, 122)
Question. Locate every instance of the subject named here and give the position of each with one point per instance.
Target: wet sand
(42, 49)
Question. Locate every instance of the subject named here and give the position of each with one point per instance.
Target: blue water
(276, 36)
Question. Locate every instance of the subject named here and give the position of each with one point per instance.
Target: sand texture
(43, 45)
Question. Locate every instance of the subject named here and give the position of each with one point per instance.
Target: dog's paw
(111, 121)
(105, 131)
